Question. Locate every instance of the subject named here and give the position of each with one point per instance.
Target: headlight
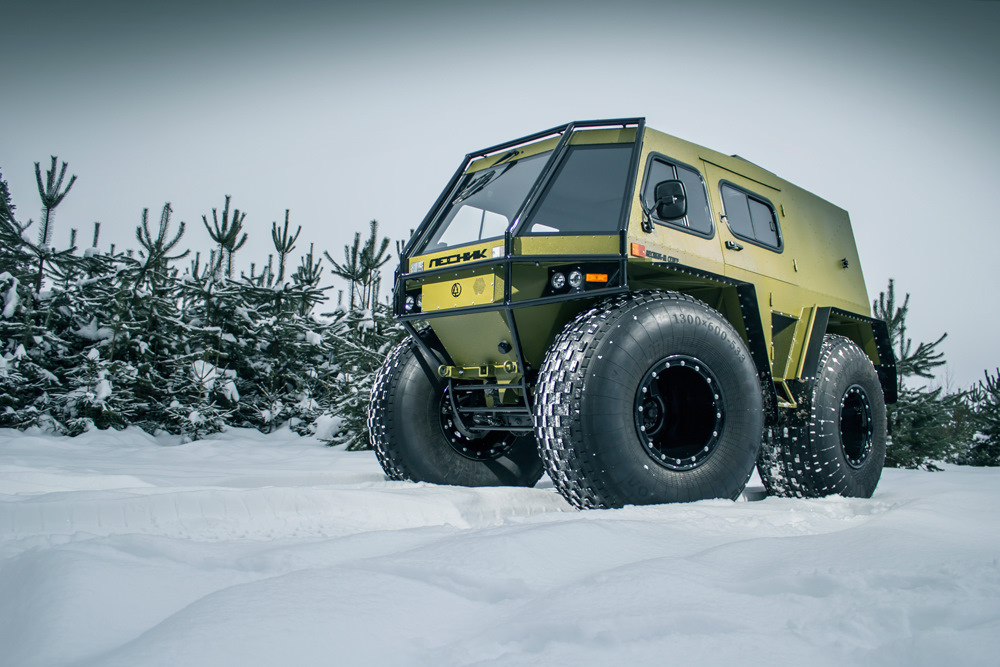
(409, 303)
(575, 279)
(558, 281)
(420, 301)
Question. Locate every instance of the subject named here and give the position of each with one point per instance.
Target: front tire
(408, 427)
(647, 398)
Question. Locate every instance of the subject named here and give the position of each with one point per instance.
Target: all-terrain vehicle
(643, 318)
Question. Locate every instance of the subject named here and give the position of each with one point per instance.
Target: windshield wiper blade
(479, 183)
(506, 156)
(475, 186)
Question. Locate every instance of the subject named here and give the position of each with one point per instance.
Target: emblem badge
(456, 289)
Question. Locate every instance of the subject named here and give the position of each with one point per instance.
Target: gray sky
(348, 112)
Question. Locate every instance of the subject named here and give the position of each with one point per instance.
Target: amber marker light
(597, 277)
(638, 250)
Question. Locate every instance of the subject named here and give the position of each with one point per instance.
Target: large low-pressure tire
(834, 444)
(410, 430)
(648, 397)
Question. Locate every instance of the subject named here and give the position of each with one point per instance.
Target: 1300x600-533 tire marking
(648, 397)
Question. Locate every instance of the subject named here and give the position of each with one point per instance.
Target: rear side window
(699, 217)
(751, 217)
(587, 192)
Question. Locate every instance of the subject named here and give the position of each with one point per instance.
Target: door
(750, 227)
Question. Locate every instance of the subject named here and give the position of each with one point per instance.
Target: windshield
(486, 202)
(587, 193)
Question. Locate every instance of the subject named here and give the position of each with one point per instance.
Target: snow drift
(118, 548)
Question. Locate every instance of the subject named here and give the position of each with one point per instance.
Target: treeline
(169, 342)
(172, 342)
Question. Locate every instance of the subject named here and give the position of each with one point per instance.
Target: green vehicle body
(742, 319)
(782, 300)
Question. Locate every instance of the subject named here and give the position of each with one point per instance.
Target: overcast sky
(347, 112)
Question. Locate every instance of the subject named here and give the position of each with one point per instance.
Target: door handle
(733, 245)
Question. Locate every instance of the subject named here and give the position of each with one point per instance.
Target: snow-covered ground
(246, 549)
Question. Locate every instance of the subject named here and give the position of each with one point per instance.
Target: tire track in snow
(265, 513)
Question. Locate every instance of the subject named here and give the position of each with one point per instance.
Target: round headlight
(558, 281)
(575, 279)
(420, 301)
(408, 304)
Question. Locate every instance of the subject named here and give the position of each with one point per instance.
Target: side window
(737, 212)
(765, 225)
(699, 217)
(750, 217)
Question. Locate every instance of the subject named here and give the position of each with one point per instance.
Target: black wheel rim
(679, 412)
(857, 428)
(472, 444)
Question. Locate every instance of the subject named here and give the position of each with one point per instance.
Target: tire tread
(793, 461)
(558, 395)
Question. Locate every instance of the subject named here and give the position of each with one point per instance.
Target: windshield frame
(561, 136)
(496, 191)
(523, 225)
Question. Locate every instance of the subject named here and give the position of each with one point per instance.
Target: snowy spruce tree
(35, 350)
(292, 356)
(133, 316)
(14, 271)
(364, 333)
(121, 306)
(984, 400)
(927, 425)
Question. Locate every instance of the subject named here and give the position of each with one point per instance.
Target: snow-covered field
(245, 549)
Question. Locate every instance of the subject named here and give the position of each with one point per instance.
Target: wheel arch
(735, 300)
(868, 333)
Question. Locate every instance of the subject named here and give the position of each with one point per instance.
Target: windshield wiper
(475, 186)
(506, 156)
(479, 183)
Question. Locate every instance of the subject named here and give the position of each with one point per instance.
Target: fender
(857, 328)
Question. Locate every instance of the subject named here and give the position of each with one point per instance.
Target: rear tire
(834, 443)
(648, 398)
(408, 430)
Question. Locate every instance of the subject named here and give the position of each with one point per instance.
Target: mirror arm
(647, 216)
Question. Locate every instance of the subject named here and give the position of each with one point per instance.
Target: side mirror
(670, 200)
